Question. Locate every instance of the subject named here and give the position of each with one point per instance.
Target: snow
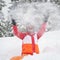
(36, 13)
(9, 46)
(49, 43)
(49, 46)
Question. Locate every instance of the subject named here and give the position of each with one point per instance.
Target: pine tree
(5, 26)
(1, 18)
(8, 29)
(2, 4)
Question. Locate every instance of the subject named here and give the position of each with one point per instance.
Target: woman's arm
(15, 30)
(42, 30)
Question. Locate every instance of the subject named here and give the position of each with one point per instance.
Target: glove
(13, 22)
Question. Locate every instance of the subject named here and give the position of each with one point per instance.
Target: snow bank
(44, 56)
(50, 40)
(49, 46)
(9, 47)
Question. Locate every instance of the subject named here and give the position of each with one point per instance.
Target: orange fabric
(16, 58)
(27, 49)
(36, 49)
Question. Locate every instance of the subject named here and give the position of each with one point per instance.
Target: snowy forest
(21, 9)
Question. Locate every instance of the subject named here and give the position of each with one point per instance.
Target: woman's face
(30, 28)
(27, 28)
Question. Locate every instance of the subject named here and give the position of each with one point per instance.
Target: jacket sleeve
(16, 32)
(42, 30)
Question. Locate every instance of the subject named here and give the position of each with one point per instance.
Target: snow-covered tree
(2, 4)
(55, 1)
(14, 0)
(1, 24)
(8, 29)
(5, 28)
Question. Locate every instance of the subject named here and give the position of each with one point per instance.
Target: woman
(29, 39)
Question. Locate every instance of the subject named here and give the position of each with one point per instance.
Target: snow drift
(49, 45)
(9, 46)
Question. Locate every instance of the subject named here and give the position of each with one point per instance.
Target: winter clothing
(29, 42)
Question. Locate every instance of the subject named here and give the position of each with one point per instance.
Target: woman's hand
(13, 22)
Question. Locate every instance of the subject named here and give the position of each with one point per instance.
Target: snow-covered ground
(49, 45)
(9, 46)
